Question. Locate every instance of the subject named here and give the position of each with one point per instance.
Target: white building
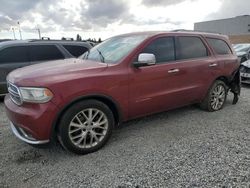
(239, 25)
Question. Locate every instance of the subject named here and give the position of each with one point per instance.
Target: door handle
(213, 65)
(173, 70)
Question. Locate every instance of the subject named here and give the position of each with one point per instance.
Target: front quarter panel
(112, 83)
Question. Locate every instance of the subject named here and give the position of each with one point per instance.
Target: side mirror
(145, 59)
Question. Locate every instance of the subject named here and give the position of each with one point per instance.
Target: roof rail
(54, 40)
(201, 31)
(45, 38)
(70, 39)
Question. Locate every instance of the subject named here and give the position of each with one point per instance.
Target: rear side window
(162, 48)
(75, 50)
(15, 54)
(190, 47)
(44, 52)
(219, 46)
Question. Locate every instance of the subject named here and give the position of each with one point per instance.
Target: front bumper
(32, 123)
(245, 75)
(245, 80)
(22, 135)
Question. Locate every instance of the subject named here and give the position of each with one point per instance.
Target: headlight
(35, 95)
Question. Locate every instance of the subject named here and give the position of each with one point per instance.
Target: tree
(78, 37)
(99, 40)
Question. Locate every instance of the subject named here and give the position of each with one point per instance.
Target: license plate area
(246, 75)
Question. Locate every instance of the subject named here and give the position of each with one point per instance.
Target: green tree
(78, 37)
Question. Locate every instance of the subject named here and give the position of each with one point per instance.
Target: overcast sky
(105, 18)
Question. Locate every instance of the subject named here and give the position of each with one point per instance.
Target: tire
(215, 96)
(81, 135)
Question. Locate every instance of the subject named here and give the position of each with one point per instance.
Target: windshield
(242, 47)
(114, 49)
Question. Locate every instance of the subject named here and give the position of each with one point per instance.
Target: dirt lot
(186, 147)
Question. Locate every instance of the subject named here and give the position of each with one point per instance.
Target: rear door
(177, 79)
(199, 63)
(11, 58)
(224, 55)
(75, 50)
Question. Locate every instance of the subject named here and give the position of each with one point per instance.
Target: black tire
(70, 114)
(206, 103)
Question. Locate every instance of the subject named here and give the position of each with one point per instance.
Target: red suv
(79, 101)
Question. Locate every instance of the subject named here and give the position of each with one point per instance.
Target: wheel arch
(109, 101)
(225, 79)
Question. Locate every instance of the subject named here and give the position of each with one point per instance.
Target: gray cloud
(15, 9)
(101, 13)
(156, 3)
(231, 8)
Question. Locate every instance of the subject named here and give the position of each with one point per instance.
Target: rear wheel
(86, 127)
(216, 97)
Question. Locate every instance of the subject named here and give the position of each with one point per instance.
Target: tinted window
(14, 54)
(75, 50)
(219, 46)
(162, 48)
(45, 52)
(190, 47)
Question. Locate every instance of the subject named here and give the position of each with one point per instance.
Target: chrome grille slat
(14, 93)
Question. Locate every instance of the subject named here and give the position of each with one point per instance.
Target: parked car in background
(242, 51)
(4, 40)
(79, 101)
(245, 72)
(16, 54)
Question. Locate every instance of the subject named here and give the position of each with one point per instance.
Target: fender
(118, 119)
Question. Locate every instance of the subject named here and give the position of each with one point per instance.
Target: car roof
(38, 42)
(177, 32)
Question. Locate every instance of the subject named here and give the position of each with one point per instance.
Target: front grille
(244, 69)
(14, 93)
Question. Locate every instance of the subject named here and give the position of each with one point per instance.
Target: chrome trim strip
(18, 135)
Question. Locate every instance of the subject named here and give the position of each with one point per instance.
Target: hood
(246, 63)
(55, 71)
(241, 53)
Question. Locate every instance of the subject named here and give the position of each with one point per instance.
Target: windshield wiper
(102, 57)
(87, 54)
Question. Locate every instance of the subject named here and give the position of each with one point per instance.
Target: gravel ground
(186, 147)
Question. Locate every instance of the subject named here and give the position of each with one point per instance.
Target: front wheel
(86, 126)
(216, 97)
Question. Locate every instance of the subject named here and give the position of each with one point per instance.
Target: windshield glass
(242, 47)
(114, 49)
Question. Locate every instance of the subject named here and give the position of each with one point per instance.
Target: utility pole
(20, 31)
(39, 32)
(14, 33)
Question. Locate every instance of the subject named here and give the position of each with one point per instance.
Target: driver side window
(163, 49)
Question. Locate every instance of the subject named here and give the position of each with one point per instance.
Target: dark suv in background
(16, 54)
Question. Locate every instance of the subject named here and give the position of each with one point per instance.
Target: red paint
(137, 92)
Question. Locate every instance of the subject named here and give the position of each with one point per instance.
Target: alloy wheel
(218, 97)
(88, 128)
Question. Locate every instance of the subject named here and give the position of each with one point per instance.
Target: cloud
(231, 8)
(101, 13)
(159, 3)
(15, 9)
